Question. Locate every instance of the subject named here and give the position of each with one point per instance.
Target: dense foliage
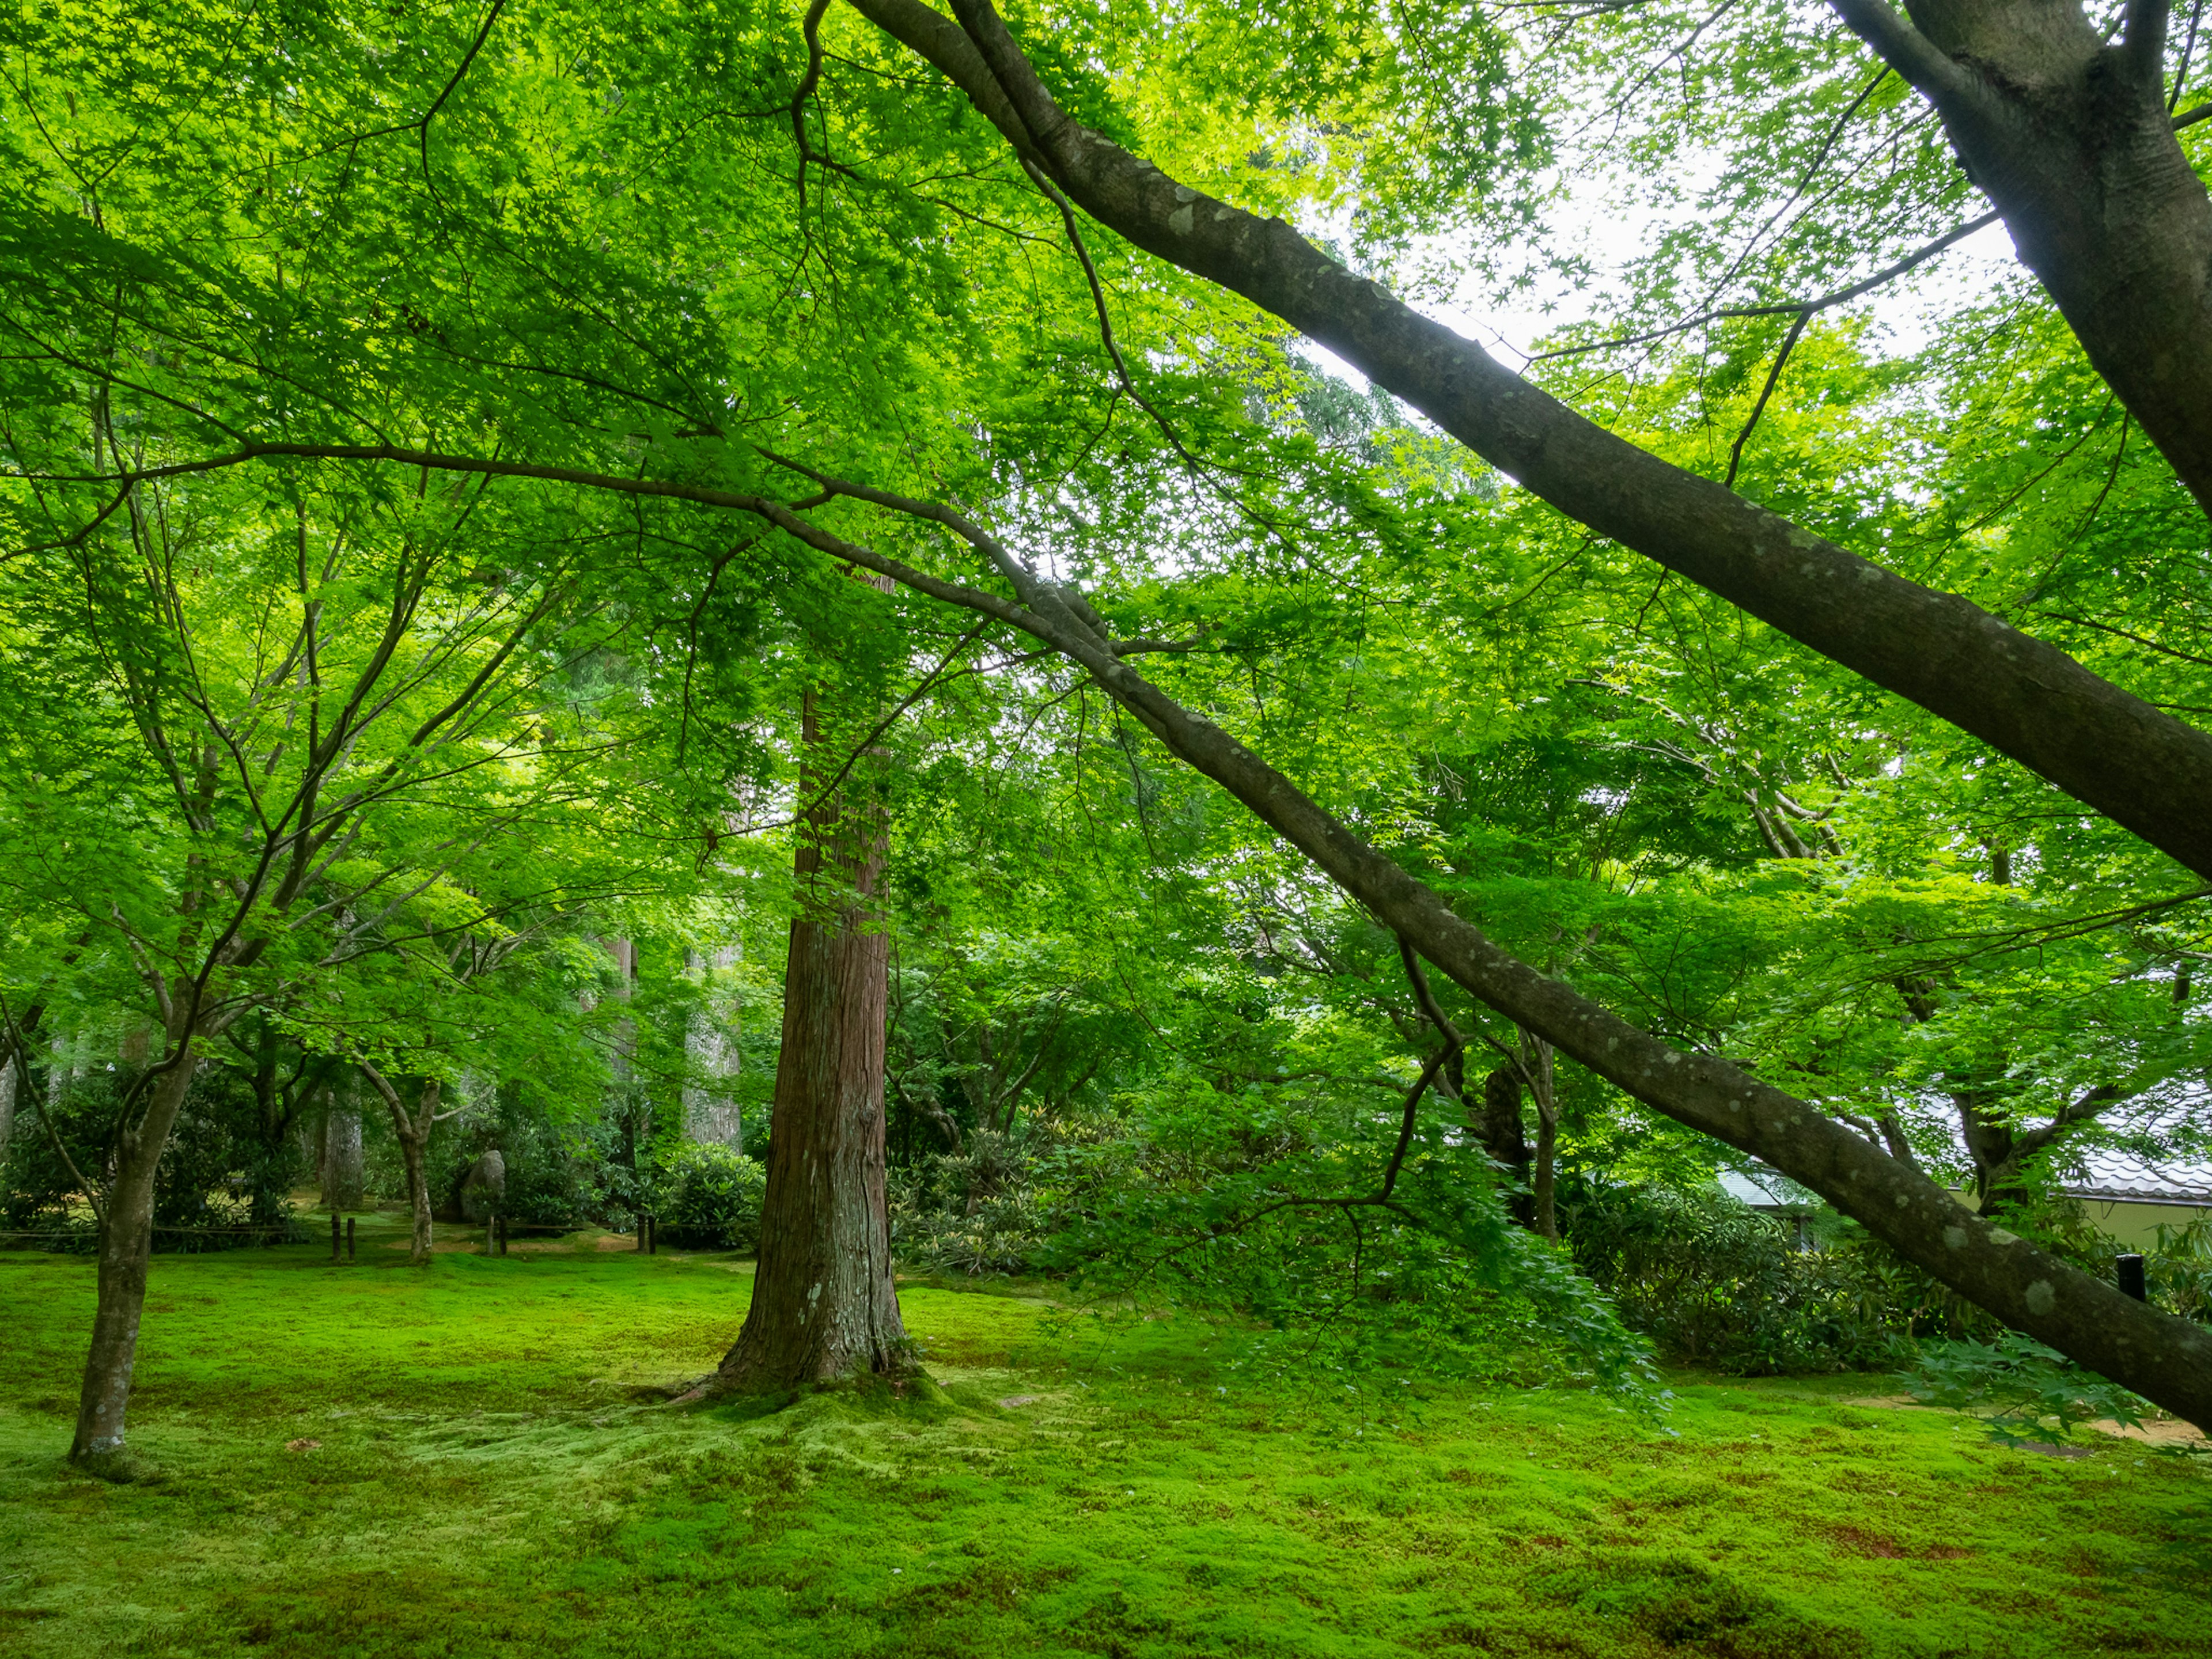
(328, 692)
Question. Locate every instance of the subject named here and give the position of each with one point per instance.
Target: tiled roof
(2104, 1172)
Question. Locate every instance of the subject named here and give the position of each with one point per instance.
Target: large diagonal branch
(2166, 1359)
(2136, 763)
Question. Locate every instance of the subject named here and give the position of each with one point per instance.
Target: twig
(1785, 307)
(422, 126)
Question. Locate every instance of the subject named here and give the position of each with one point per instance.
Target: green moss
(493, 1472)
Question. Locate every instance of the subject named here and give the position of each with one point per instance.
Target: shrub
(222, 1183)
(2180, 1269)
(1721, 1285)
(975, 1211)
(710, 1197)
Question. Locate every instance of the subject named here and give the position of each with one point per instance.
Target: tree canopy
(440, 441)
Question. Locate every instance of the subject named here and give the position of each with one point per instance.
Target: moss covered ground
(471, 1461)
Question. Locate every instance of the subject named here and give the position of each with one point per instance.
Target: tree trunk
(824, 1304)
(413, 1132)
(1505, 1138)
(2067, 132)
(1536, 1064)
(11, 1074)
(344, 1163)
(126, 1240)
(711, 1114)
(415, 1157)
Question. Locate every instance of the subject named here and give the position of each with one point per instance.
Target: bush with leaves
(1288, 1211)
(1718, 1283)
(988, 1209)
(710, 1197)
(222, 1184)
(2178, 1269)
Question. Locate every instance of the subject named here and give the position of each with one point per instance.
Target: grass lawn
(374, 1460)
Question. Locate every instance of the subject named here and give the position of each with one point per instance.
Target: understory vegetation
(367, 1461)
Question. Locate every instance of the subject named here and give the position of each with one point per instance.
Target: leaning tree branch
(2166, 1359)
(2138, 764)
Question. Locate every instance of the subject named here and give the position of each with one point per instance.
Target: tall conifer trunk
(824, 1304)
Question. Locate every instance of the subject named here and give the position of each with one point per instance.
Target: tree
(2118, 753)
(824, 1304)
(886, 317)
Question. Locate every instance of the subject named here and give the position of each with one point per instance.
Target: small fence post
(2129, 1270)
(652, 1235)
(334, 1237)
(349, 1240)
(502, 1235)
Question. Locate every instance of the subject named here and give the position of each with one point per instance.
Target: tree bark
(2069, 137)
(824, 1305)
(2137, 764)
(1505, 1136)
(344, 1167)
(126, 1241)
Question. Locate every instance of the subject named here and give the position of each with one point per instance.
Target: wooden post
(349, 1240)
(334, 1237)
(502, 1235)
(2128, 1271)
(652, 1235)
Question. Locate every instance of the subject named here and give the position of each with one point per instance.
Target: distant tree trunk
(10, 1075)
(127, 1239)
(344, 1168)
(824, 1304)
(1536, 1069)
(711, 1114)
(1504, 1137)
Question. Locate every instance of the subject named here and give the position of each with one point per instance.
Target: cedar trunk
(824, 1305)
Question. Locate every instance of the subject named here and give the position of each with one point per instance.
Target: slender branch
(1919, 256)
(1773, 378)
(422, 126)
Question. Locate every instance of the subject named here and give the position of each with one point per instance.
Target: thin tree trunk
(1536, 1063)
(824, 1304)
(126, 1240)
(413, 1133)
(414, 1154)
(10, 1075)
